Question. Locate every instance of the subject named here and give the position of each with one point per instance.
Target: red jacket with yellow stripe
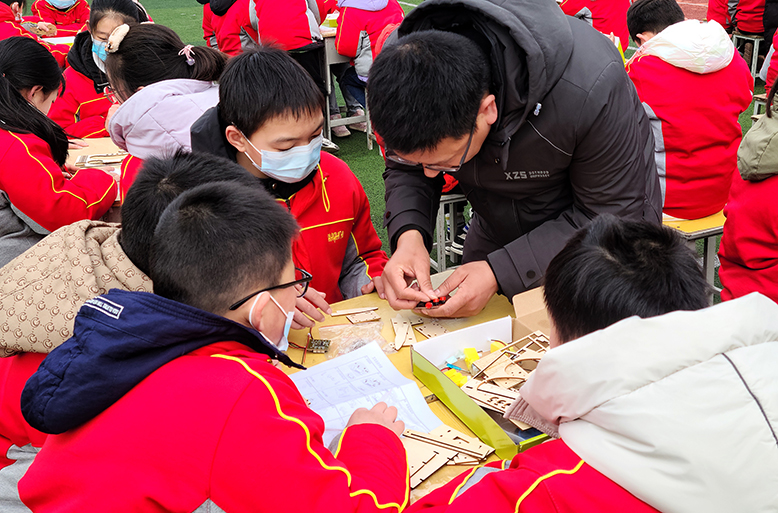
(184, 423)
(548, 478)
(696, 138)
(36, 186)
(338, 243)
(9, 27)
(80, 110)
(69, 22)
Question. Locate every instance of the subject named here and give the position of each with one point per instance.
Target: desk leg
(709, 259)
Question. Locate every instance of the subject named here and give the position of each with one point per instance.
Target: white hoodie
(693, 45)
(681, 410)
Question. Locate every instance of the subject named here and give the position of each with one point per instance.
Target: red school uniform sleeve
(70, 110)
(42, 192)
(14, 430)
(349, 30)
(270, 456)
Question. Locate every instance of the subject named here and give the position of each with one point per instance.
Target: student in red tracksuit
(276, 135)
(39, 193)
(696, 141)
(152, 435)
(749, 16)
(82, 108)
(68, 16)
(358, 17)
(749, 245)
(209, 36)
(232, 25)
(291, 26)
(11, 26)
(608, 16)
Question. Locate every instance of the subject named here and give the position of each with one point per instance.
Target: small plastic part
(496, 345)
(455, 376)
(433, 303)
(471, 355)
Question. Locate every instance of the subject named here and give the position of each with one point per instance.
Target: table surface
(497, 307)
(99, 145)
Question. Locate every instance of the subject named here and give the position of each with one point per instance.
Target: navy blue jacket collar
(118, 340)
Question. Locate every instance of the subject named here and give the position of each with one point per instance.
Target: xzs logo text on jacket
(524, 175)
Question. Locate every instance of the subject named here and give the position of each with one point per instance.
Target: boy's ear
(235, 138)
(242, 314)
(488, 109)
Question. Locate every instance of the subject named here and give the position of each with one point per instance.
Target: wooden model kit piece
(363, 317)
(490, 396)
(510, 367)
(403, 332)
(414, 319)
(431, 328)
(427, 452)
(352, 311)
(425, 459)
(100, 159)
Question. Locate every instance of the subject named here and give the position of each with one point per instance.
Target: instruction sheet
(361, 379)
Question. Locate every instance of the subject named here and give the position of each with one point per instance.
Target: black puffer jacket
(571, 140)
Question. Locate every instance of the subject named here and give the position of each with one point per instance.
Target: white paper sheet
(361, 379)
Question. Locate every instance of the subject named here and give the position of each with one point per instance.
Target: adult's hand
(308, 309)
(476, 284)
(379, 414)
(410, 262)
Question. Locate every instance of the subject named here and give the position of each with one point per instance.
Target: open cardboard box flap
(531, 315)
(428, 356)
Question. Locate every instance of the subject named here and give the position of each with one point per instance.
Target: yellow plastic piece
(471, 355)
(496, 345)
(455, 376)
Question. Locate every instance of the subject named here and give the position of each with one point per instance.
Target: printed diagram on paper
(361, 379)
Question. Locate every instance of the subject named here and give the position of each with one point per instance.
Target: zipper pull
(537, 109)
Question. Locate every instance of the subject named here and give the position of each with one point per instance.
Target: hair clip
(188, 53)
(116, 38)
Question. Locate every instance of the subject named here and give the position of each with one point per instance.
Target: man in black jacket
(533, 113)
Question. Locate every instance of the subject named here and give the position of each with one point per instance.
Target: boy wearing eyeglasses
(171, 400)
(275, 132)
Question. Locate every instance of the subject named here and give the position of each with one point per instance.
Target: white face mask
(282, 344)
(99, 53)
(289, 166)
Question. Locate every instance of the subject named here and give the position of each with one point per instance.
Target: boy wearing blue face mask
(185, 410)
(269, 120)
(69, 17)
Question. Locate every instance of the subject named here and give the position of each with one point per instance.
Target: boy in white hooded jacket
(674, 412)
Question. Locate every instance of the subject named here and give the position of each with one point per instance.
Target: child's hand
(380, 414)
(111, 111)
(376, 284)
(309, 308)
(48, 29)
(77, 144)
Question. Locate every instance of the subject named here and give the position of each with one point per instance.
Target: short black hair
(614, 269)
(219, 242)
(426, 88)
(652, 16)
(159, 182)
(264, 83)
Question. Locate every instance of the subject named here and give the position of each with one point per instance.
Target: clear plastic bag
(345, 338)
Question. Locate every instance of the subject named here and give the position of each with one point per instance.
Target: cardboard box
(429, 356)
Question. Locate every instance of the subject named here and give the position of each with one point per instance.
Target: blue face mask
(289, 166)
(61, 4)
(99, 53)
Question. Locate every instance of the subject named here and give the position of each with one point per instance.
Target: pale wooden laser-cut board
(414, 319)
(431, 328)
(363, 317)
(490, 396)
(427, 452)
(403, 332)
(352, 311)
